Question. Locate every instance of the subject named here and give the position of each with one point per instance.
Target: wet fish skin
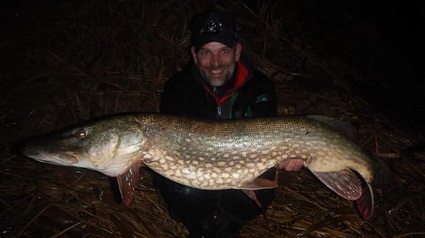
(212, 154)
(109, 146)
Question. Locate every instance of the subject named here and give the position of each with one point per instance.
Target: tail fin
(383, 180)
(366, 202)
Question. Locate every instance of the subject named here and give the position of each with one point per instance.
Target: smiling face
(216, 61)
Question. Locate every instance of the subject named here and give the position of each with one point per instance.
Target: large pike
(227, 154)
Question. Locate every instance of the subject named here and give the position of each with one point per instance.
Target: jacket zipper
(214, 89)
(219, 101)
(219, 111)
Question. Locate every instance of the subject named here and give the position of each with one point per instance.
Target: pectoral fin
(127, 182)
(345, 183)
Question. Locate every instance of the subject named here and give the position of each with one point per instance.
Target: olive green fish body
(211, 154)
(220, 155)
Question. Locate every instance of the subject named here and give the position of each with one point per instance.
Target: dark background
(382, 40)
(63, 62)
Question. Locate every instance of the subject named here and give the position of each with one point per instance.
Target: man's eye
(225, 51)
(205, 52)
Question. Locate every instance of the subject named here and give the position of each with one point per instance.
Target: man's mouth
(217, 71)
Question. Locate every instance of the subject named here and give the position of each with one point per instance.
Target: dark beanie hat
(212, 26)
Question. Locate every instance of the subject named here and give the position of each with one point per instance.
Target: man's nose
(215, 60)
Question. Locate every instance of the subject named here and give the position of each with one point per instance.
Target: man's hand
(291, 165)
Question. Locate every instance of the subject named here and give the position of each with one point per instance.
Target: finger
(283, 164)
(291, 166)
(298, 164)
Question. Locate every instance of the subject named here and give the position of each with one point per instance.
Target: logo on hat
(213, 26)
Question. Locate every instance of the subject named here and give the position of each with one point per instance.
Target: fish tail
(366, 202)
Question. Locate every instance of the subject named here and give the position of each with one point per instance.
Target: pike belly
(221, 155)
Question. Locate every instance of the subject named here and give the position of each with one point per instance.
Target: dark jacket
(248, 94)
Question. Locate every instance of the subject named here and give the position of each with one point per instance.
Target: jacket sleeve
(180, 96)
(171, 100)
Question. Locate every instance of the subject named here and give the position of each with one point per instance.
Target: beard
(217, 81)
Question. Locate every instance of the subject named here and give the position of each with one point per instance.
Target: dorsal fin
(341, 126)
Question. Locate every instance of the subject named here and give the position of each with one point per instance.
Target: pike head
(112, 147)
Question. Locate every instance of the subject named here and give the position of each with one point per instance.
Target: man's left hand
(291, 165)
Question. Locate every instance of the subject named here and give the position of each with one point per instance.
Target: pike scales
(217, 155)
(213, 155)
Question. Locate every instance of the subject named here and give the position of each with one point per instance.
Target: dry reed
(72, 61)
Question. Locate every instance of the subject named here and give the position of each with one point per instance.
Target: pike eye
(80, 133)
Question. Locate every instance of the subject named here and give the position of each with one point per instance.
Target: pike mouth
(48, 157)
(67, 158)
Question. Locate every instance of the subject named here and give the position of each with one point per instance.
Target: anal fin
(345, 183)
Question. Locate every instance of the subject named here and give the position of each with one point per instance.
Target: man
(220, 83)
